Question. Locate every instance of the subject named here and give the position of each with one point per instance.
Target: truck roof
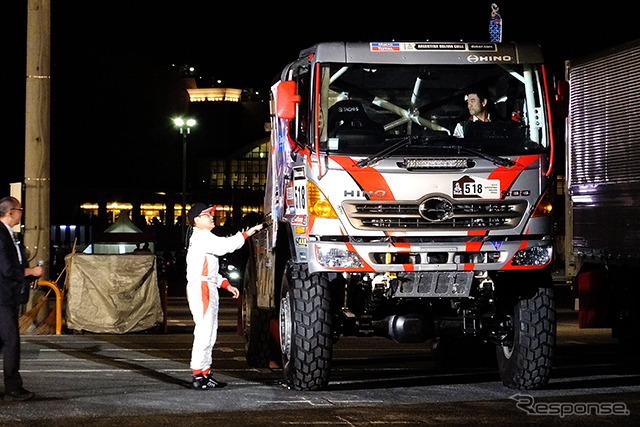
(424, 52)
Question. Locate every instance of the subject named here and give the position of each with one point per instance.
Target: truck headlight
(338, 257)
(537, 255)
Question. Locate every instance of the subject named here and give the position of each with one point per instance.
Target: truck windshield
(365, 108)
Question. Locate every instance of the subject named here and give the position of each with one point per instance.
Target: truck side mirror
(286, 99)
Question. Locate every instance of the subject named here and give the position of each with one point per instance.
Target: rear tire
(525, 361)
(305, 328)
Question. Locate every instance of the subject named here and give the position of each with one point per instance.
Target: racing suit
(203, 281)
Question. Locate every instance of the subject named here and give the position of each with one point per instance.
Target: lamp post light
(184, 125)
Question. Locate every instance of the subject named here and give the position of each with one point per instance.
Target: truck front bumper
(383, 257)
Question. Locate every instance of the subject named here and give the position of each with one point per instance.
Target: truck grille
(394, 215)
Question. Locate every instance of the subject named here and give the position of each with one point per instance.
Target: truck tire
(305, 328)
(525, 362)
(255, 323)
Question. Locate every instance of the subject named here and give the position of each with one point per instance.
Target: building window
(218, 174)
(224, 213)
(260, 152)
(155, 213)
(249, 172)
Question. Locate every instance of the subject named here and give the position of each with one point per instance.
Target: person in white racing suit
(203, 281)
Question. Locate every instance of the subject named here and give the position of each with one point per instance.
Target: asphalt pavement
(142, 379)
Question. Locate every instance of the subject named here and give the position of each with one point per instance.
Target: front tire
(526, 357)
(305, 328)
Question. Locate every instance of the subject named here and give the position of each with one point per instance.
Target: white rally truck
(386, 221)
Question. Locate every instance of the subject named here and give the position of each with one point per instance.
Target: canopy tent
(123, 224)
(121, 237)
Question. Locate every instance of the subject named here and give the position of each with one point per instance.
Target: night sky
(113, 84)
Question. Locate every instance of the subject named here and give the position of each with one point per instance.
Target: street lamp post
(184, 125)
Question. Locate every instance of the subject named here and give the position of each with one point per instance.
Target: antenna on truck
(495, 24)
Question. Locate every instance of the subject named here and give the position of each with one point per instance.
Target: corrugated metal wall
(605, 119)
(604, 155)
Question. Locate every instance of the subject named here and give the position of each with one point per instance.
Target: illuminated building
(226, 166)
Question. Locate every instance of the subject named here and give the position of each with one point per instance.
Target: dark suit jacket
(14, 287)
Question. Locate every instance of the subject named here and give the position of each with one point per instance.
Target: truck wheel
(524, 362)
(305, 328)
(255, 323)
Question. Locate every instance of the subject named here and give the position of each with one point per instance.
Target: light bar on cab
(436, 163)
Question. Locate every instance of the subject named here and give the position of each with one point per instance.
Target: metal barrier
(58, 293)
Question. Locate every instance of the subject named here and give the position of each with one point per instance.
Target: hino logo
(489, 58)
(436, 209)
(360, 193)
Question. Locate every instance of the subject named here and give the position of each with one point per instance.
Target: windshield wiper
(497, 160)
(384, 153)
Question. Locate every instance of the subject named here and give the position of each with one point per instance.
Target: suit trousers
(10, 345)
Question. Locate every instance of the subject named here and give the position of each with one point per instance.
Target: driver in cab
(478, 105)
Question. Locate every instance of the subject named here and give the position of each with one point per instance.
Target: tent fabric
(123, 224)
(112, 293)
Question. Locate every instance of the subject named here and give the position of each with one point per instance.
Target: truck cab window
(368, 106)
(300, 128)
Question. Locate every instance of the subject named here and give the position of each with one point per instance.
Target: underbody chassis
(416, 306)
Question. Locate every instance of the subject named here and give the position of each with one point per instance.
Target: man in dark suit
(14, 290)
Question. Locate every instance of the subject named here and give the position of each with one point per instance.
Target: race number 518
(300, 196)
(472, 188)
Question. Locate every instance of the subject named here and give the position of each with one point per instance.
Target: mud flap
(593, 296)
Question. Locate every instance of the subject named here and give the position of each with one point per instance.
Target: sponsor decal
(443, 46)
(298, 173)
(482, 46)
(385, 47)
(440, 46)
(298, 220)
